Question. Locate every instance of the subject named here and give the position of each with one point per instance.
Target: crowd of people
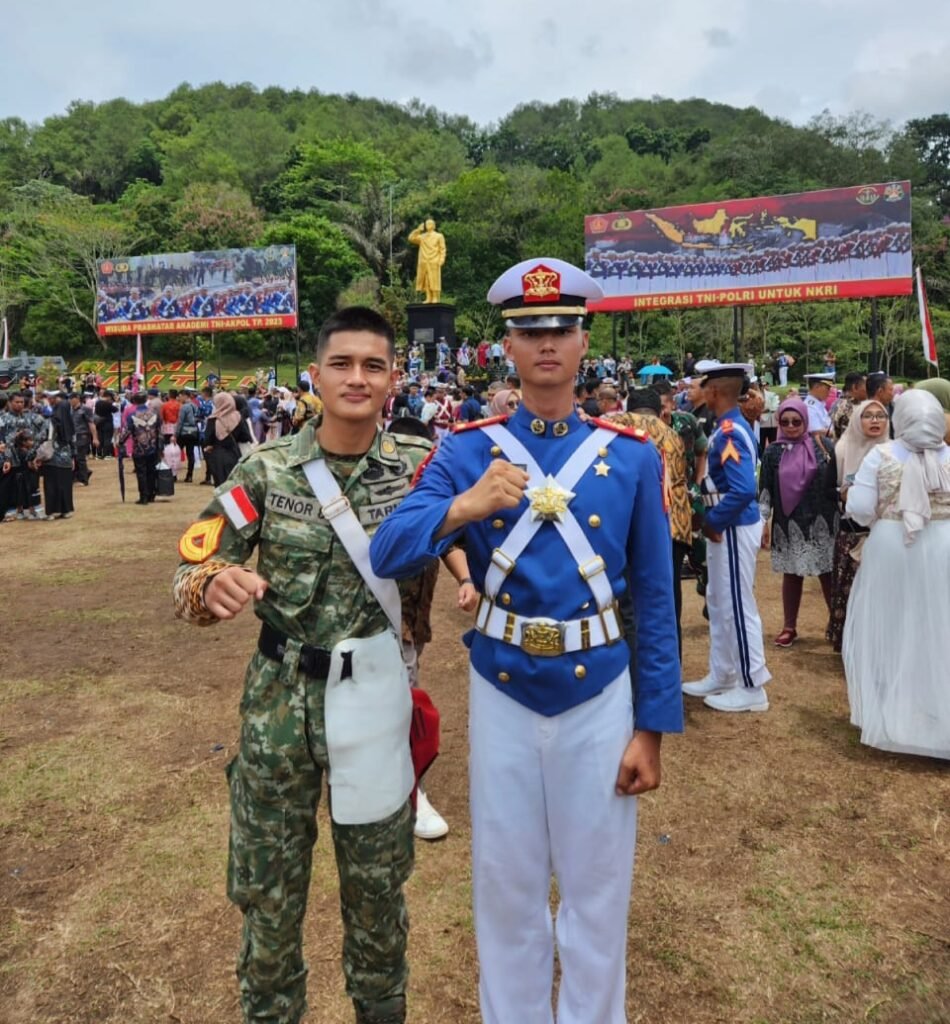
(570, 499)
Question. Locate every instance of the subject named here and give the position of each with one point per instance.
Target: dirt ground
(786, 874)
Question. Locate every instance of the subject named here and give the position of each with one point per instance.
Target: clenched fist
(229, 591)
(501, 486)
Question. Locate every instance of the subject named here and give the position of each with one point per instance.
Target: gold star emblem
(601, 468)
(549, 502)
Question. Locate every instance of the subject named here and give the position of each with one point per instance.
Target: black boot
(389, 1011)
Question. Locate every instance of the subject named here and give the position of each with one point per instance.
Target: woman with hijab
(58, 470)
(939, 387)
(794, 492)
(225, 431)
(895, 635)
(867, 427)
(504, 402)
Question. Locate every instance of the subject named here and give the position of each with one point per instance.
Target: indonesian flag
(237, 506)
(139, 367)
(6, 340)
(927, 331)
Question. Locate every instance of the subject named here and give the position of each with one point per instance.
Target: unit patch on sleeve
(238, 507)
(202, 539)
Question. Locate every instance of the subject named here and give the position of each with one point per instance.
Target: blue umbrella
(655, 371)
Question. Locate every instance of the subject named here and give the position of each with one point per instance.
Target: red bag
(423, 732)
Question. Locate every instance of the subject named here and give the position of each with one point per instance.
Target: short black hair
(662, 387)
(855, 377)
(644, 398)
(356, 318)
(302, 385)
(411, 426)
(875, 382)
(173, 392)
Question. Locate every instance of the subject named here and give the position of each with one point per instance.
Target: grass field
(786, 874)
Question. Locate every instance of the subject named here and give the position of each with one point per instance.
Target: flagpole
(6, 340)
(926, 328)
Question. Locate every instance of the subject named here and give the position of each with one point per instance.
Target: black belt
(313, 661)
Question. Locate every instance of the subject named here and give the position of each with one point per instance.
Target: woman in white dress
(895, 636)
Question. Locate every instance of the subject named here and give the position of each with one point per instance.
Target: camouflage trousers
(275, 786)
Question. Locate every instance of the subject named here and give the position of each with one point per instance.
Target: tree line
(345, 178)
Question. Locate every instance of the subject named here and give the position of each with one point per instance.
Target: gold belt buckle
(544, 639)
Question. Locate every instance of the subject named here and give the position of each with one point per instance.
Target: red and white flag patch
(238, 507)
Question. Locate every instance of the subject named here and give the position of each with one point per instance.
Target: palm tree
(370, 226)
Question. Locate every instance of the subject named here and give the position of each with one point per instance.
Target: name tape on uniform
(295, 506)
(372, 515)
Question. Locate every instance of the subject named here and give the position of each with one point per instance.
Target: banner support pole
(194, 361)
(735, 334)
(874, 328)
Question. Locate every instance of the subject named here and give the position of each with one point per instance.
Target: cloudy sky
(792, 58)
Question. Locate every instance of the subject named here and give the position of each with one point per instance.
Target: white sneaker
(429, 823)
(703, 687)
(741, 698)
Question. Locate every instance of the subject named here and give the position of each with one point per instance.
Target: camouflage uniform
(315, 597)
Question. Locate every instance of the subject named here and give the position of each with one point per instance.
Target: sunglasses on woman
(790, 421)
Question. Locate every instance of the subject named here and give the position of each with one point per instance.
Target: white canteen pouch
(368, 704)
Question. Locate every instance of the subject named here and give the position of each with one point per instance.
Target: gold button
(580, 672)
(602, 452)
(498, 523)
(537, 426)
(503, 677)
(495, 450)
(506, 599)
(594, 521)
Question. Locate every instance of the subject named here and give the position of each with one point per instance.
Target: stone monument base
(428, 322)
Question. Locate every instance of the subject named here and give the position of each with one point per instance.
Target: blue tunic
(633, 535)
(731, 465)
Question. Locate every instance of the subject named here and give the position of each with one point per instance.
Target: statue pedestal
(429, 321)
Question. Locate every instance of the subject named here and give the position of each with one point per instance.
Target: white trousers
(543, 802)
(736, 657)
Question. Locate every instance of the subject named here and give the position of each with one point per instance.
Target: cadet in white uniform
(819, 387)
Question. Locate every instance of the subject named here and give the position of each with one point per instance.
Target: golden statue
(431, 258)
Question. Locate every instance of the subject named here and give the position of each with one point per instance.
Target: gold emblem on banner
(622, 224)
(598, 225)
(868, 195)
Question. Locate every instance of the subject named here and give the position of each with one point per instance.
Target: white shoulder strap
(589, 563)
(336, 509)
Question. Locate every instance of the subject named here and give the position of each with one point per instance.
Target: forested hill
(225, 165)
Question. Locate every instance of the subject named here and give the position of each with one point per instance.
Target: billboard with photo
(183, 292)
(838, 243)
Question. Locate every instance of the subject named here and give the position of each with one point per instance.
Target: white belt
(548, 637)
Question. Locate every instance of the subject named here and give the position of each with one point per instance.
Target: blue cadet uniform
(552, 708)
(736, 657)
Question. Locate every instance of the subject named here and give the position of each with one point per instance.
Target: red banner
(843, 243)
(202, 326)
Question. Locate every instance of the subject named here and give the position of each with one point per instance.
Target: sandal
(786, 638)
